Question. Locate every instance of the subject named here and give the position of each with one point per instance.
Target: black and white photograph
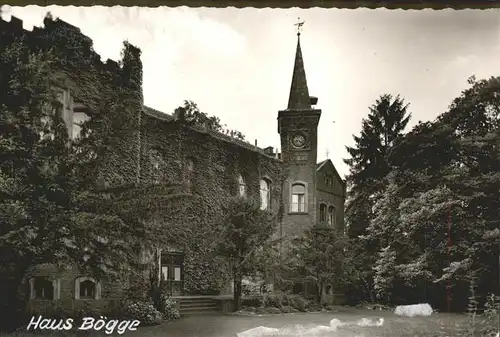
(249, 172)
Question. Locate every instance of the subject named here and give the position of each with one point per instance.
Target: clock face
(298, 140)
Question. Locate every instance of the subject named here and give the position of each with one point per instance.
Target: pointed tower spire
(299, 92)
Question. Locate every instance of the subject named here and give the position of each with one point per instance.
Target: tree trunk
(237, 290)
(319, 296)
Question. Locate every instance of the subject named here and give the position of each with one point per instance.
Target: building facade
(212, 165)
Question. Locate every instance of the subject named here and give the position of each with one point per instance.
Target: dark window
(172, 266)
(298, 288)
(87, 289)
(322, 213)
(331, 216)
(44, 289)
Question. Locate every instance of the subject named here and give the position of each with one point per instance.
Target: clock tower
(298, 129)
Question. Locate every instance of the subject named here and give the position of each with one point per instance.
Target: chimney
(180, 114)
(256, 143)
(269, 150)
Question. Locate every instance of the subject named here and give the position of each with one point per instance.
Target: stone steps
(197, 306)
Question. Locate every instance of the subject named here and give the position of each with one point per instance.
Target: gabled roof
(216, 134)
(328, 163)
(158, 114)
(320, 165)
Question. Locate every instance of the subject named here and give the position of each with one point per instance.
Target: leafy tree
(384, 124)
(192, 115)
(369, 167)
(244, 231)
(318, 256)
(445, 173)
(32, 165)
(50, 209)
(385, 272)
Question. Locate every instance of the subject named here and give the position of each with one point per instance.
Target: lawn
(291, 325)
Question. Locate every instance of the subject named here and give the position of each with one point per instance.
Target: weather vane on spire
(299, 25)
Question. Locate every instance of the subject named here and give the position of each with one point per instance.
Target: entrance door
(172, 267)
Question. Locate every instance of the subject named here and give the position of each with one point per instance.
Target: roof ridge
(214, 133)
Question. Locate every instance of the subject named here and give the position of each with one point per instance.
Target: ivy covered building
(213, 166)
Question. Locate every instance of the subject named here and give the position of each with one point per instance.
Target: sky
(237, 63)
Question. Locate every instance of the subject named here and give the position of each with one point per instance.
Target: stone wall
(65, 292)
(299, 166)
(208, 164)
(95, 87)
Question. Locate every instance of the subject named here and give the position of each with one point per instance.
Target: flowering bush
(146, 313)
(169, 309)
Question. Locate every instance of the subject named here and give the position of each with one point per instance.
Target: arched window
(265, 195)
(87, 288)
(298, 198)
(322, 213)
(331, 216)
(242, 186)
(42, 289)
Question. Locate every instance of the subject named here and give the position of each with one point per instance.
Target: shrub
(145, 312)
(299, 303)
(285, 300)
(273, 310)
(313, 306)
(256, 301)
(491, 320)
(274, 301)
(169, 308)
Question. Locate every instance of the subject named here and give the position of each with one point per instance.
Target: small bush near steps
(146, 313)
(168, 308)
